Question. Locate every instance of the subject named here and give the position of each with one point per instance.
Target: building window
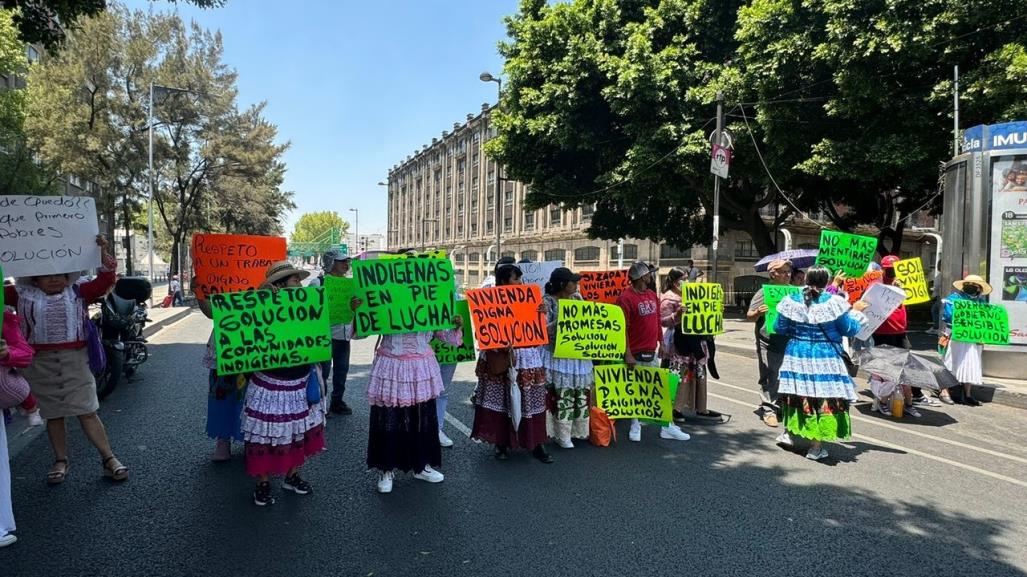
(529, 221)
(459, 258)
(473, 258)
(474, 228)
(745, 249)
(586, 253)
(508, 197)
(507, 224)
(508, 253)
(488, 226)
(670, 252)
(531, 255)
(587, 211)
(555, 216)
(630, 252)
(555, 254)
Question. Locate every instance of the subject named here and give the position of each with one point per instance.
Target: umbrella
(906, 367)
(801, 258)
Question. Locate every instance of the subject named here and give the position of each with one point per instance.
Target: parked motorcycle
(120, 323)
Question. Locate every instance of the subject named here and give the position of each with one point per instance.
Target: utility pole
(955, 116)
(716, 189)
(149, 178)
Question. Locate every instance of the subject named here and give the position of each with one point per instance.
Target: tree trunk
(126, 222)
(893, 236)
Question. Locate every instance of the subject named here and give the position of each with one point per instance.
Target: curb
(988, 392)
(19, 434)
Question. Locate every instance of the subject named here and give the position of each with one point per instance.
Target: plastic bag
(600, 428)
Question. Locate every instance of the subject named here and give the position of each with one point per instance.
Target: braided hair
(817, 278)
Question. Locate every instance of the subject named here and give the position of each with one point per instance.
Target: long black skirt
(404, 438)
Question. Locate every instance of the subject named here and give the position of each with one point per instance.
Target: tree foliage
(611, 102)
(317, 226)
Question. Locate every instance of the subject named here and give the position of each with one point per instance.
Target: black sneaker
(541, 454)
(679, 417)
(297, 485)
(340, 408)
(262, 495)
(710, 416)
(971, 402)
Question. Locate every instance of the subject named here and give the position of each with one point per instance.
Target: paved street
(939, 496)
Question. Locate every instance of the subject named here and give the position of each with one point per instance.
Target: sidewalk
(739, 339)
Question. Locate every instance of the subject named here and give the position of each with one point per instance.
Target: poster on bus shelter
(1008, 270)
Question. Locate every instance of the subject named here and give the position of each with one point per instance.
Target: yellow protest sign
(587, 330)
(634, 392)
(910, 276)
(702, 306)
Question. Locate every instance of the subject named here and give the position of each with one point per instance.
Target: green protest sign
(406, 295)
(980, 323)
(339, 292)
(447, 354)
(634, 392)
(260, 330)
(588, 330)
(847, 252)
(702, 305)
(773, 294)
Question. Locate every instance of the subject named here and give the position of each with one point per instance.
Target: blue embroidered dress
(814, 384)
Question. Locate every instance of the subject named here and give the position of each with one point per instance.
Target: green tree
(316, 227)
(20, 171)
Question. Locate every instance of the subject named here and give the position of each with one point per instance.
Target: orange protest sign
(603, 286)
(225, 263)
(507, 315)
(855, 287)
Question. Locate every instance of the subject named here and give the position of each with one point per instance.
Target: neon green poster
(851, 253)
(588, 330)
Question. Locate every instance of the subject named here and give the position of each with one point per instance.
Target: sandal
(118, 472)
(57, 476)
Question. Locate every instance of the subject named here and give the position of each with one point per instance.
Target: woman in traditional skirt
(226, 395)
(404, 384)
(281, 425)
(492, 421)
(55, 322)
(963, 359)
(570, 380)
(815, 387)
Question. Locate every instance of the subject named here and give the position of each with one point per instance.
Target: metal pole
(716, 189)
(149, 178)
(955, 117)
(499, 200)
(620, 253)
(356, 227)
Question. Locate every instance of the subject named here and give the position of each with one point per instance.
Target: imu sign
(703, 308)
(405, 295)
(225, 263)
(507, 316)
(260, 330)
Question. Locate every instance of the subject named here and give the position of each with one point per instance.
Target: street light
(487, 77)
(356, 228)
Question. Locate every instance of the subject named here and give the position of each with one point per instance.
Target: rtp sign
(720, 160)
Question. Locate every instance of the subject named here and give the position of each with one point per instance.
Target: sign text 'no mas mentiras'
(406, 295)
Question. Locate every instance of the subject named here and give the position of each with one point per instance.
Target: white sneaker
(564, 443)
(430, 475)
(884, 409)
(784, 439)
(7, 539)
(444, 439)
(385, 482)
(635, 432)
(816, 456)
(674, 432)
(35, 420)
(912, 412)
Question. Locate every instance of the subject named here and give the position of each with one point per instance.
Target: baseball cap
(889, 261)
(562, 275)
(332, 255)
(638, 270)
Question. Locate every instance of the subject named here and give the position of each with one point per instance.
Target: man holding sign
(770, 347)
(339, 288)
(642, 316)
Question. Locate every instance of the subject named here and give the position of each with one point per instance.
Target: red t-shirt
(894, 324)
(642, 314)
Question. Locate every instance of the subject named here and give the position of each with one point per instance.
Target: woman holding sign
(226, 395)
(963, 359)
(55, 322)
(815, 388)
(570, 380)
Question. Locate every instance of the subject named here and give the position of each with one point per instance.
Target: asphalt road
(940, 496)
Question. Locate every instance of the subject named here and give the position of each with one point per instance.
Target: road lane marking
(456, 423)
(879, 423)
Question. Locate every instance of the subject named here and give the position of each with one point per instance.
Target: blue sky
(356, 86)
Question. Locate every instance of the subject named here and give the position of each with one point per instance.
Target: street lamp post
(487, 77)
(356, 228)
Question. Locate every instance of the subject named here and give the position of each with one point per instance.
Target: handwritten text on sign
(48, 234)
(538, 273)
(702, 306)
(226, 263)
(339, 292)
(447, 354)
(603, 287)
(980, 323)
(772, 295)
(883, 300)
(508, 315)
(633, 393)
(847, 252)
(910, 275)
(260, 330)
(856, 286)
(586, 330)
(406, 295)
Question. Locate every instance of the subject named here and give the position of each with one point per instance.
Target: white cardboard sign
(48, 234)
(537, 273)
(883, 300)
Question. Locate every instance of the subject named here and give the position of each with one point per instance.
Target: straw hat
(973, 279)
(280, 271)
